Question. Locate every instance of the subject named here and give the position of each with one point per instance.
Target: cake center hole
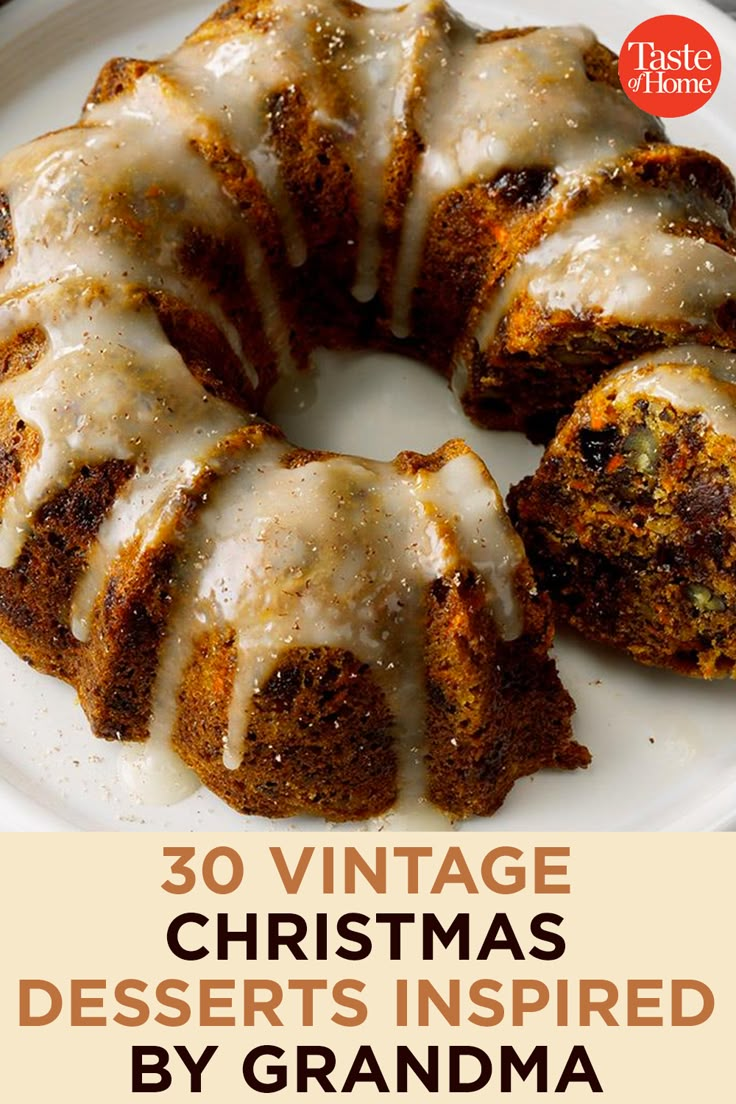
(378, 404)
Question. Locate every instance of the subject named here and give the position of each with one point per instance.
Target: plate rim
(20, 811)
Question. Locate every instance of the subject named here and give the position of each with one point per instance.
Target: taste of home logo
(669, 66)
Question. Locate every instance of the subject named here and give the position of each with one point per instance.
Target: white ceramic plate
(664, 748)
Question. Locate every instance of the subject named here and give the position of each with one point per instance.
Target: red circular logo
(669, 66)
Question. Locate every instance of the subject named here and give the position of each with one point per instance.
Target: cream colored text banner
(309, 966)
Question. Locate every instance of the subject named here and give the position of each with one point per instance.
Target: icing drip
(621, 259)
(154, 774)
(691, 378)
(131, 232)
(335, 553)
(479, 532)
(468, 526)
(373, 64)
(231, 83)
(95, 396)
(546, 113)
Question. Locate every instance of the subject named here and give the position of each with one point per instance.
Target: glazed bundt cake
(630, 517)
(277, 616)
(296, 175)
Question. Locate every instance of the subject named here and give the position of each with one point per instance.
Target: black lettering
(322, 946)
(510, 1061)
(195, 1067)
(395, 921)
(142, 1069)
(371, 1075)
(277, 1074)
(459, 929)
(500, 937)
(247, 935)
(555, 939)
(428, 1075)
(485, 1071)
(174, 930)
(585, 1075)
(306, 1072)
(346, 931)
(291, 940)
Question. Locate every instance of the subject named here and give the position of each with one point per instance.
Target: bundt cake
(306, 630)
(303, 174)
(630, 518)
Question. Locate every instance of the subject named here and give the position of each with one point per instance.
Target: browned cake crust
(320, 740)
(540, 360)
(245, 285)
(321, 737)
(494, 721)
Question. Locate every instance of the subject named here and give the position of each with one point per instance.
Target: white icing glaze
(373, 62)
(130, 232)
(231, 81)
(153, 774)
(690, 378)
(546, 114)
(337, 552)
(120, 392)
(720, 362)
(480, 533)
(621, 259)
